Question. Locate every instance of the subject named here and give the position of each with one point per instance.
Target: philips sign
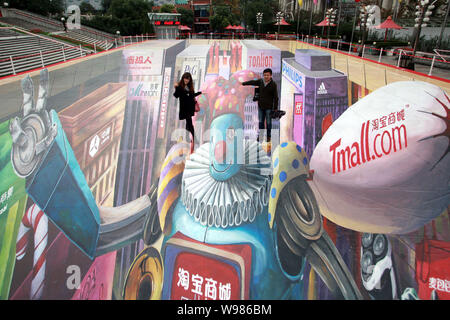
(292, 74)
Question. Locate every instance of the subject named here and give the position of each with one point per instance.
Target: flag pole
(298, 16)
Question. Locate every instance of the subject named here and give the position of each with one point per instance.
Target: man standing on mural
(267, 100)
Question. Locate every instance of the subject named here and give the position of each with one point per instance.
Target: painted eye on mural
(367, 239)
(367, 262)
(379, 244)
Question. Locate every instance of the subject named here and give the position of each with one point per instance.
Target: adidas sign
(322, 89)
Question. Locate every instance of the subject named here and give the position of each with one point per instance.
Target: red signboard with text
(200, 271)
(198, 277)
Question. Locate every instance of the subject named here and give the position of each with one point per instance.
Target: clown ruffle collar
(231, 202)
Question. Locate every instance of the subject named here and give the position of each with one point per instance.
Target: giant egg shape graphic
(384, 165)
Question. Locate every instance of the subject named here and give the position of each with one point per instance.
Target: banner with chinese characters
(164, 102)
(143, 63)
(432, 267)
(12, 205)
(198, 271)
(193, 281)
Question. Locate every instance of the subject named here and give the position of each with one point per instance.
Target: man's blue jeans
(264, 116)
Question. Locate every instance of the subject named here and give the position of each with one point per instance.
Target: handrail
(55, 23)
(404, 50)
(39, 36)
(38, 54)
(401, 53)
(13, 72)
(440, 55)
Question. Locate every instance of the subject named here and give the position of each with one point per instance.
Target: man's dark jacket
(268, 95)
(187, 102)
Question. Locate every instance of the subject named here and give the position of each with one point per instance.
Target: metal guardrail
(58, 24)
(403, 53)
(14, 61)
(365, 50)
(43, 55)
(371, 74)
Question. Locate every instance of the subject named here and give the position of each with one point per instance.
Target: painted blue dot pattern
(284, 144)
(283, 176)
(295, 164)
(299, 149)
(305, 161)
(273, 193)
(275, 163)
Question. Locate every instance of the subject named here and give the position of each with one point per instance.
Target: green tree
(106, 4)
(43, 7)
(269, 8)
(86, 7)
(167, 8)
(222, 17)
(187, 16)
(127, 16)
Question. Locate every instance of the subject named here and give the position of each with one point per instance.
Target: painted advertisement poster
(12, 206)
(143, 62)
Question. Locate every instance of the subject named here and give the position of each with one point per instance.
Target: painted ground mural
(102, 198)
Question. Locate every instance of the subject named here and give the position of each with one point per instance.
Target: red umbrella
(325, 23)
(388, 24)
(229, 27)
(239, 28)
(184, 28)
(282, 23)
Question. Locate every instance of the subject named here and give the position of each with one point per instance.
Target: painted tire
(145, 277)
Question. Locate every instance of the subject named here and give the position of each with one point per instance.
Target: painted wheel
(152, 227)
(298, 204)
(24, 156)
(298, 223)
(145, 277)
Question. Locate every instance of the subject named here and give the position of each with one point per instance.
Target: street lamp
(259, 17)
(438, 45)
(363, 16)
(330, 15)
(290, 12)
(63, 21)
(279, 17)
(118, 37)
(423, 13)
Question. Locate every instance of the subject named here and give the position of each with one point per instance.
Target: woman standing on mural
(184, 89)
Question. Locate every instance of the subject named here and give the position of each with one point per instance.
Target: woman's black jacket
(187, 102)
